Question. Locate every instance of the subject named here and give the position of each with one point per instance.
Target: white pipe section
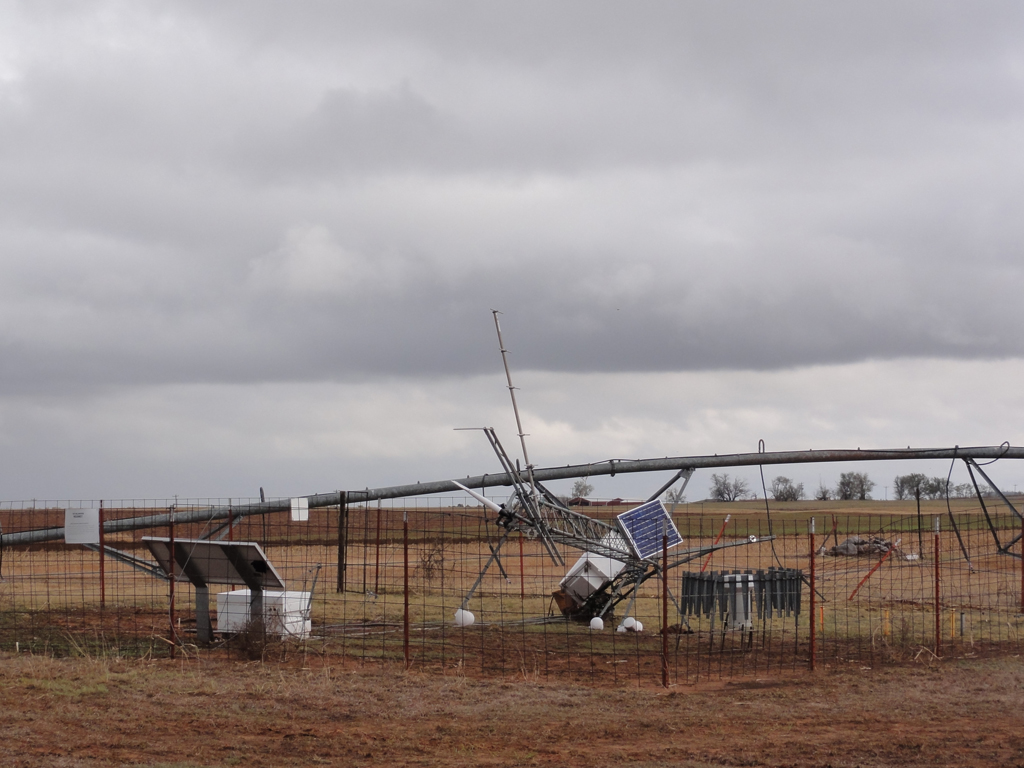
(493, 506)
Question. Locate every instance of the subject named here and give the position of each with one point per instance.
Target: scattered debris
(858, 545)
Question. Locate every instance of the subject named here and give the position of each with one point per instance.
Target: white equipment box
(284, 613)
(592, 571)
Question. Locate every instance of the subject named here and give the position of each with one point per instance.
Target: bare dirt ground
(187, 713)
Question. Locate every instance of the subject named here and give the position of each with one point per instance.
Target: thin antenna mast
(512, 393)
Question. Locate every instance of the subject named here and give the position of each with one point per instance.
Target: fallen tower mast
(609, 467)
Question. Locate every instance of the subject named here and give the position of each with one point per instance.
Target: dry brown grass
(187, 713)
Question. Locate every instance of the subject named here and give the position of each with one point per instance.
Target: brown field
(313, 710)
(508, 691)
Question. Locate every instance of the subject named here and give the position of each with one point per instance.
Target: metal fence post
(376, 557)
(103, 579)
(170, 612)
(522, 572)
(342, 540)
(938, 597)
(664, 603)
(813, 616)
(405, 622)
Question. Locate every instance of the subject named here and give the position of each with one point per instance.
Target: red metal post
(814, 595)
(876, 566)
(718, 538)
(938, 598)
(376, 561)
(664, 608)
(405, 627)
(231, 522)
(103, 557)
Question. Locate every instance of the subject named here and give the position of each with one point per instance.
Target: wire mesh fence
(381, 583)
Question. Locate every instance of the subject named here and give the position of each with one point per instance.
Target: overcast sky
(257, 244)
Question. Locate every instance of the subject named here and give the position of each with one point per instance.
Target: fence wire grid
(381, 583)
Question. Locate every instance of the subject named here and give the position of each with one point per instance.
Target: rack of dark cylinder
(736, 598)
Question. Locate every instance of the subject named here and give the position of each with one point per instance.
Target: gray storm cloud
(248, 195)
(243, 194)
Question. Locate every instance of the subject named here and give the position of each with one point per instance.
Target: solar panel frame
(211, 563)
(643, 527)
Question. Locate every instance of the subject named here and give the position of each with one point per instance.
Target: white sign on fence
(300, 510)
(81, 526)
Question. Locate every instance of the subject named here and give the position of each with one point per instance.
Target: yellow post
(886, 628)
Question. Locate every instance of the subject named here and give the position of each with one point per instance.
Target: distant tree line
(852, 486)
(918, 486)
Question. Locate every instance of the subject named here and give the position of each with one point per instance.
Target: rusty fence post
(664, 604)
(522, 570)
(405, 620)
(103, 578)
(938, 595)
(170, 612)
(813, 600)
(376, 557)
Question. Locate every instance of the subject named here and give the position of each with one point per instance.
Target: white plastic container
(592, 571)
(284, 613)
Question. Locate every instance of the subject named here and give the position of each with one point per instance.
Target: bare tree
(675, 496)
(581, 489)
(824, 493)
(784, 489)
(724, 489)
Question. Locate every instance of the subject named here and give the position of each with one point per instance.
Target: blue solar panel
(645, 525)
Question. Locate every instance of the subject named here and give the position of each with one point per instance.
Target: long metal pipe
(608, 467)
(624, 466)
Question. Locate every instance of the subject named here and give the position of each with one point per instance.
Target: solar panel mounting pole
(182, 560)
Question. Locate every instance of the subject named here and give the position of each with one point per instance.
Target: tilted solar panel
(645, 525)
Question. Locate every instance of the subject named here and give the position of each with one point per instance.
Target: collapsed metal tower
(609, 467)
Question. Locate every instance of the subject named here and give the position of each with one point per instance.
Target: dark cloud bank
(251, 192)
